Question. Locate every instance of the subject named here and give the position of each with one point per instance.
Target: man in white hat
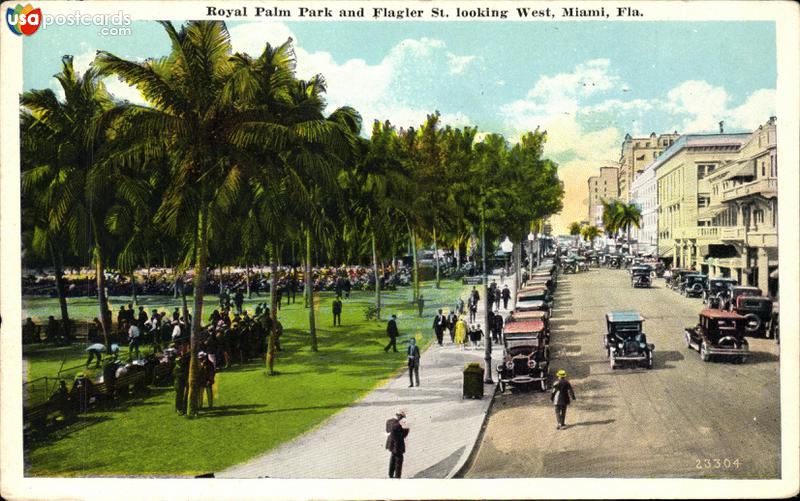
(561, 396)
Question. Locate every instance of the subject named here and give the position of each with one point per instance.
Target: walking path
(444, 426)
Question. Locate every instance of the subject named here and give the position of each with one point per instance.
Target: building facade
(602, 187)
(636, 154)
(685, 233)
(644, 193)
(743, 210)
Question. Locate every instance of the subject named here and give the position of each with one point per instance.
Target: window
(763, 169)
(758, 216)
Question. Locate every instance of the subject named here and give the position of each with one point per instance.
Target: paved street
(633, 422)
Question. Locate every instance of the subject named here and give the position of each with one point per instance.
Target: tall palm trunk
(133, 288)
(60, 291)
(195, 392)
(105, 319)
(273, 293)
(415, 286)
(517, 263)
(247, 281)
(377, 278)
(436, 256)
(312, 328)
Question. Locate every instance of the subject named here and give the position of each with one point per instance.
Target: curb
(468, 457)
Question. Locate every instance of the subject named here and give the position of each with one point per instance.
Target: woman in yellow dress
(461, 332)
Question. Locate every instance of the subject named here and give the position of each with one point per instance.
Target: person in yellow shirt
(461, 332)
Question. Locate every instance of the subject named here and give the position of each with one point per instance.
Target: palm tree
(575, 230)
(629, 216)
(76, 186)
(590, 233)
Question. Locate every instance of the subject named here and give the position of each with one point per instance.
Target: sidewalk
(444, 426)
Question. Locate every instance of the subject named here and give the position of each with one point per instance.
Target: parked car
(527, 316)
(526, 355)
(583, 264)
(718, 291)
(693, 284)
(676, 278)
(718, 334)
(640, 276)
(757, 313)
(738, 291)
(614, 261)
(536, 292)
(625, 342)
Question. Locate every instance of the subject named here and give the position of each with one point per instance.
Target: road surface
(685, 418)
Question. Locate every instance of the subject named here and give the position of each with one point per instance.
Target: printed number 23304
(718, 464)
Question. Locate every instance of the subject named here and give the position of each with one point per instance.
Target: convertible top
(720, 314)
(624, 316)
(525, 327)
(519, 316)
(532, 290)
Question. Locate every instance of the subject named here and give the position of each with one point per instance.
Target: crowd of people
(164, 282)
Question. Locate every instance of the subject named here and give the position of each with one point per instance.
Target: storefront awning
(709, 212)
(741, 169)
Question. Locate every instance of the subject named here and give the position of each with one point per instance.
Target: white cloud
(700, 106)
(372, 89)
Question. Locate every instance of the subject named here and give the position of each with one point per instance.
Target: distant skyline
(587, 83)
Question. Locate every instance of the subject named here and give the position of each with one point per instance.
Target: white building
(644, 193)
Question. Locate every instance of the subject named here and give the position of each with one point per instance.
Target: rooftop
(624, 316)
(524, 327)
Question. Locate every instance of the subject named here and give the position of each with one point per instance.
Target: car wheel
(688, 340)
(704, 356)
(650, 360)
(502, 387)
(612, 360)
(752, 323)
(544, 384)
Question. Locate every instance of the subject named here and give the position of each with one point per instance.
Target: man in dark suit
(413, 361)
(396, 443)
(561, 396)
(439, 324)
(337, 311)
(452, 318)
(392, 332)
(506, 296)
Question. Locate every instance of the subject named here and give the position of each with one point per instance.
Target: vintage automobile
(583, 264)
(738, 291)
(640, 276)
(718, 291)
(540, 281)
(676, 278)
(531, 304)
(527, 316)
(757, 313)
(536, 292)
(659, 269)
(569, 265)
(526, 355)
(718, 334)
(693, 284)
(614, 261)
(624, 341)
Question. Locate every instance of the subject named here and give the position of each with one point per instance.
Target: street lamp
(487, 355)
(531, 238)
(507, 247)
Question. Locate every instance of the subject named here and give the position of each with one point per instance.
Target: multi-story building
(743, 210)
(636, 154)
(684, 195)
(644, 193)
(602, 187)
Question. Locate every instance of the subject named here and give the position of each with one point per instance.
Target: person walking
(473, 309)
(439, 323)
(506, 296)
(392, 332)
(497, 298)
(397, 429)
(180, 375)
(421, 304)
(461, 332)
(336, 308)
(452, 318)
(413, 361)
(561, 396)
(133, 340)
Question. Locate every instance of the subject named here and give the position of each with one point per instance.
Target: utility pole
(487, 358)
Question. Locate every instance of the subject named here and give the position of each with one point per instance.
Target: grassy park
(253, 412)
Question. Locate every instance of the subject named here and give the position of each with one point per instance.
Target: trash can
(473, 381)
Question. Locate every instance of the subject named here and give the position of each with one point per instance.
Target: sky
(586, 83)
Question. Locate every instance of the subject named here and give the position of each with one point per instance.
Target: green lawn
(253, 412)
